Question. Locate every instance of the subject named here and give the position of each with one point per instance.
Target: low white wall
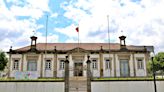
(106, 86)
(31, 86)
(127, 86)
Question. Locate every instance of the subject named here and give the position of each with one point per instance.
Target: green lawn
(128, 79)
(93, 79)
(37, 80)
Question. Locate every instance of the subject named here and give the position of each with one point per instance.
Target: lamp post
(154, 78)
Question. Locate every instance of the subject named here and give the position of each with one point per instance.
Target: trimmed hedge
(128, 79)
(33, 80)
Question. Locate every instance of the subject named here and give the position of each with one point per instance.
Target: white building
(107, 60)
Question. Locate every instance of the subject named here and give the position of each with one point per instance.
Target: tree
(158, 63)
(3, 60)
(159, 58)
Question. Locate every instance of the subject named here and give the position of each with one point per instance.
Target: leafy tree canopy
(3, 60)
(158, 63)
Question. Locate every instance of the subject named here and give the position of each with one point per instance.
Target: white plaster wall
(108, 72)
(71, 66)
(15, 56)
(107, 86)
(131, 66)
(117, 66)
(60, 72)
(140, 72)
(25, 62)
(32, 86)
(38, 65)
(48, 73)
(95, 72)
(126, 86)
(85, 66)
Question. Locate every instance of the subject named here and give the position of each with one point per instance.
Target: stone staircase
(77, 84)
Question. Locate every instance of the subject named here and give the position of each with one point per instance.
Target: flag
(77, 29)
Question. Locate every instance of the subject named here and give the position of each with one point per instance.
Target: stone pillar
(41, 66)
(88, 75)
(55, 63)
(101, 62)
(9, 63)
(66, 75)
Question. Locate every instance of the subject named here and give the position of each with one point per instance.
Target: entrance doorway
(78, 69)
(124, 68)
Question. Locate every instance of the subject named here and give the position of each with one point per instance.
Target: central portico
(79, 57)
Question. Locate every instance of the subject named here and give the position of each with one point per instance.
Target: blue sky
(141, 21)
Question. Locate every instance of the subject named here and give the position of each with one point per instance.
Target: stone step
(77, 91)
(78, 78)
(80, 89)
(77, 81)
(77, 86)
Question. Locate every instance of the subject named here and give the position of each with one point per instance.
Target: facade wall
(60, 72)
(108, 72)
(95, 72)
(85, 64)
(117, 66)
(48, 73)
(15, 57)
(131, 66)
(71, 66)
(140, 72)
(113, 71)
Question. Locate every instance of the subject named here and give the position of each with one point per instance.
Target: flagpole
(78, 36)
(109, 43)
(108, 32)
(46, 36)
(78, 39)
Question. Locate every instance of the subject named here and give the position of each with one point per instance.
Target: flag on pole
(77, 29)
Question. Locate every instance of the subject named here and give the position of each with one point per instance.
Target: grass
(127, 79)
(32, 80)
(93, 79)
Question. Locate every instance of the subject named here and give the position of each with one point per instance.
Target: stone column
(41, 66)
(88, 75)
(55, 63)
(101, 62)
(66, 75)
(22, 62)
(9, 63)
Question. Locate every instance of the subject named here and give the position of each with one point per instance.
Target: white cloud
(54, 15)
(142, 22)
(50, 38)
(26, 11)
(16, 32)
(138, 20)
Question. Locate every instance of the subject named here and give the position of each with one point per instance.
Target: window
(107, 63)
(16, 65)
(140, 63)
(32, 65)
(48, 65)
(61, 64)
(94, 63)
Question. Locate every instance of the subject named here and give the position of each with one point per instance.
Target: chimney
(122, 42)
(33, 43)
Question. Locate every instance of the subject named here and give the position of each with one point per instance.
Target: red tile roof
(86, 46)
